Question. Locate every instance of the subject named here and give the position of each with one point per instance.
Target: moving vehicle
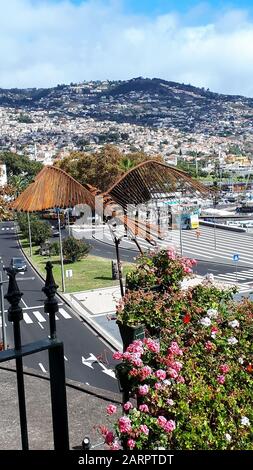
(19, 264)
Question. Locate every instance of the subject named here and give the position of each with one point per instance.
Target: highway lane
(80, 342)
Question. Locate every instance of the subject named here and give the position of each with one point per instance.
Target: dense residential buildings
(153, 116)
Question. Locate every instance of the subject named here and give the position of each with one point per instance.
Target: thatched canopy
(153, 180)
(52, 188)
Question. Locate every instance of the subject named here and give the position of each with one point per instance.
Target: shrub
(194, 390)
(163, 270)
(74, 250)
(54, 249)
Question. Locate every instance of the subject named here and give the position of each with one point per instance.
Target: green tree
(102, 168)
(20, 165)
(74, 250)
(40, 232)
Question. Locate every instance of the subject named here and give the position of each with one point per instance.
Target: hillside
(146, 102)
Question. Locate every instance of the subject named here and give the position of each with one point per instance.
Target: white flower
(209, 277)
(245, 421)
(213, 334)
(167, 382)
(205, 321)
(212, 313)
(232, 340)
(228, 437)
(234, 323)
(241, 360)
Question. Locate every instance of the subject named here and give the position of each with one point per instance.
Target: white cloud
(42, 44)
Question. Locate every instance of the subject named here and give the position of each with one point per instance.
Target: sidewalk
(86, 410)
(97, 307)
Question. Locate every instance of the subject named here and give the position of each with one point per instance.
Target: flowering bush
(194, 389)
(157, 310)
(163, 270)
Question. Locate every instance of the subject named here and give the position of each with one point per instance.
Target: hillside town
(152, 116)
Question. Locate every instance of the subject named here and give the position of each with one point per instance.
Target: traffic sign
(69, 273)
(236, 257)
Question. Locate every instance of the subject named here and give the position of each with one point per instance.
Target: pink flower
(144, 429)
(158, 385)
(160, 374)
(221, 379)
(161, 421)
(131, 443)
(117, 355)
(145, 372)
(180, 379)
(127, 355)
(144, 408)
(170, 402)
(137, 362)
(153, 346)
(208, 346)
(127, 406)
(170, 426)
(193, 262)
(172, 373)
(224, 368)
(125, 424)
(187, 270)
(171, 254)
(143, 390)
(114, 446)
(175, 349)
(177, 365)
(111, 409)
(109, 438)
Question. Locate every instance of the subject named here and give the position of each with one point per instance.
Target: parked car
(19, 264)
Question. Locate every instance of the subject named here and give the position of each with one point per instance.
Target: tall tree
(20, 165)
(102, 168)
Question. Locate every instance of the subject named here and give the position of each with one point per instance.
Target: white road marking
(42, 327)
(27, 318)
(39, 316)
(65, 358)
(64, 313)
(88, 361)
(26, 306)
(42, 367)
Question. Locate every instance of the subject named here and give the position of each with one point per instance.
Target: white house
(3, 174)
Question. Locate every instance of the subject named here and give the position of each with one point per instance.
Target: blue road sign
(236, 257)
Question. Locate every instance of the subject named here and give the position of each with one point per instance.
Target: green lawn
(89, 273)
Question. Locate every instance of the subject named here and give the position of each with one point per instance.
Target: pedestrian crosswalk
(211, 244)
(35, 316)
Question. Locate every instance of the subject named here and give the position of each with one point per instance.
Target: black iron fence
(55, 355)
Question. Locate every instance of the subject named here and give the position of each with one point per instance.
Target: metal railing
(55, 355)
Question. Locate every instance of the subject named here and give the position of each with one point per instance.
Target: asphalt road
(80, 342)
(106, 250)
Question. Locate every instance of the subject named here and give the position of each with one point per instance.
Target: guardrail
(223, 227)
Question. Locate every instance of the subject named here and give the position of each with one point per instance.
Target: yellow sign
(194, 221)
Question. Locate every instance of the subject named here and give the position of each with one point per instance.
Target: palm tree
(126, 164)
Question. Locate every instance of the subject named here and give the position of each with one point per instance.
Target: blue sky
(154, 7)
(205, 43)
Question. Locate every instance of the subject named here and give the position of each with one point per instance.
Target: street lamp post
(117, 242)
(2, 310)
(29, 233)
(180, 234)
(61, 253)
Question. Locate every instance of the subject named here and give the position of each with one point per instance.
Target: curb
(115, 345)
(98, 330)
